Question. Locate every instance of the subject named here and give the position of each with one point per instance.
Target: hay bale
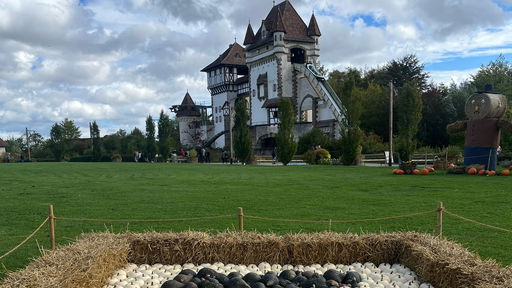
(88, 262)
(95, 257)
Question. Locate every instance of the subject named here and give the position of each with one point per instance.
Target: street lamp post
(228, 112)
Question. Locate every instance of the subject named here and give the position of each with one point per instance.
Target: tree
(351, 136)
(286, 145)
(409, 116)
(96, 141)
(241, 135)
(375, 115)
(498, 73)
(137, 141)
(150, 138)
(62, 136)
(407, 69)
(438, 111)
(164, 135)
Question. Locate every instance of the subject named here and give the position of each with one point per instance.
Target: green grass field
(155, 191)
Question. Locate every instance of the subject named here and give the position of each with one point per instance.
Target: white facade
(273, 66)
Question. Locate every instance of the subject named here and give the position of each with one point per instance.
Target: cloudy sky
(116, 61)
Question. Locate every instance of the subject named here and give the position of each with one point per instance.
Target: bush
(316, 156)
(313, 138)
(372, 143)
(455, 153)
(116, 157)
(86, 158)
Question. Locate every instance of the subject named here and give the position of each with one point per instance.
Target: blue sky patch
(37, 64)
(463, 63)
(369, 20)
(82, 2)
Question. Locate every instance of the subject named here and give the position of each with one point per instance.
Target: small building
(193, 122)
(3, 145)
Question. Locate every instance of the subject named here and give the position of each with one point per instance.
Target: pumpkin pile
(483, 172)
(425, 171)
(264, 275)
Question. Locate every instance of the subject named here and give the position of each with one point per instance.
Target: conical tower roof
(313, 29)
(249, 35)
(187, 108)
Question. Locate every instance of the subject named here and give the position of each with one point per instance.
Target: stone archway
(266, 144)
(307, 110)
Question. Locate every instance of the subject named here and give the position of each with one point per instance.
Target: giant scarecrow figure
(486, 113)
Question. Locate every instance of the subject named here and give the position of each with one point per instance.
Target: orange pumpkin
(416, 172)
(505, 172)
(481, 172)
(472, 171)
(424, 171)
(400, 172)
(491, 173)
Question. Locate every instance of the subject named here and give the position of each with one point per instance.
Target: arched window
(298, 56)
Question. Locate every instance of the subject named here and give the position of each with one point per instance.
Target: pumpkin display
(505, 172)
(472, 171)
(251, 276)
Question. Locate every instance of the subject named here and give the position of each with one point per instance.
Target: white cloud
(118, 61)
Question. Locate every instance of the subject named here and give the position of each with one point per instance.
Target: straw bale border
(94, 257)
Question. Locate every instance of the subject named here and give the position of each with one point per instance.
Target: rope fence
(440, 211)
(25, 240)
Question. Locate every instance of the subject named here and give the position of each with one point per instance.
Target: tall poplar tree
(409, 117)
(164, 135)
(150, 138)
(242, 138)
(286, 145)
(96, 141)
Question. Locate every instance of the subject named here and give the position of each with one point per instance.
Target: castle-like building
(278, 61)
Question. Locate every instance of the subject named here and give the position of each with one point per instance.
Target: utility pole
(390, 123)
(28, 143)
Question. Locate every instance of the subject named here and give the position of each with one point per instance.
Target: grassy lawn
(155, 191)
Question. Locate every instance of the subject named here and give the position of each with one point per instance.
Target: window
(262, 83)
(253, 92)
(275, 87)
(307, 116)
(215, 109)
(273, 116)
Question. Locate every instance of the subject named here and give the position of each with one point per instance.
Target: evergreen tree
(96, 141)
(62, 136)
(351, 137)
(409, 116)
(137, 140)
(286, 145)
(242, 139)
(150, 138)
(438, 111)
(164, 135)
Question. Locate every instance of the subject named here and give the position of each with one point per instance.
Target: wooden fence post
(440, 210)
(51, 218)
(241, 219)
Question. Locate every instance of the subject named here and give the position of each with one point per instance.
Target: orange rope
(342, 221)
(26, 239)
(138, 220)
(478, 223)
